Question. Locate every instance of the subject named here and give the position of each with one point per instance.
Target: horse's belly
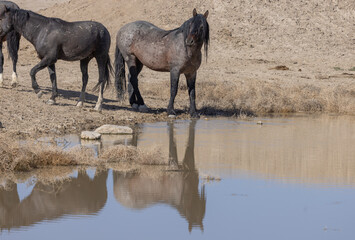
(76, 53)
(154, 55)
(157, 62)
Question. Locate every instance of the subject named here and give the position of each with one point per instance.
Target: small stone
(259, 123)
(114, 129)
(89, 135)
(1, 126)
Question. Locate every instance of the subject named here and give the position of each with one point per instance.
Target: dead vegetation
(245, 99)
(271, 97)
(16, 157)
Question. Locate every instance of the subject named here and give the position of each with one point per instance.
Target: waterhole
(284, 178)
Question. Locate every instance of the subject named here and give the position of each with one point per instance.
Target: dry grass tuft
(25, 158)
(15, 157)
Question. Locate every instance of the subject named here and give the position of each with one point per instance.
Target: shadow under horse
(55, 39)
(177, 51)
(77, 196)
(12, 39)
(179, 189)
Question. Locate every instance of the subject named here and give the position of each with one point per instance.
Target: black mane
(21, 16)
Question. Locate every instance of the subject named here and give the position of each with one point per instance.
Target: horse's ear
(206, 14)
(3, 8)
(194, 12)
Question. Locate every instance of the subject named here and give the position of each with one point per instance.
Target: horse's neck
(30, 28)
(194, 51)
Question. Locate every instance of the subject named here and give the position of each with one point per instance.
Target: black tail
(120, 74)
(107, 76)
(13, 44)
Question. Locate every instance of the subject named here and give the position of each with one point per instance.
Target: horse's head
(198, 31)
(5, 21)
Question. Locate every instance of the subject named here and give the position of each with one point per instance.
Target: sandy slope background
(314, 39)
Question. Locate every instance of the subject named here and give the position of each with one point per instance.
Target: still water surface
(290, 178)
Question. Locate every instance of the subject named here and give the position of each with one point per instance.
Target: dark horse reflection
(78, 196)
(179, 189)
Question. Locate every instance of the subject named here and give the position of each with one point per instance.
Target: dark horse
(13, 42)
(56, 39)
(176, 51)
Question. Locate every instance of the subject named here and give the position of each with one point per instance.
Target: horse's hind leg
(101, 62)
(135, 97)
(14, 81)
(1, 65)
(84, 70)
(53, 77)
(13, 44)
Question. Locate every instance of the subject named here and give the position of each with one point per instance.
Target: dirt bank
(313, 39)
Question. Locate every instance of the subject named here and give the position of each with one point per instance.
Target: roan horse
(56, 39)
(177, 51)
(13, 42)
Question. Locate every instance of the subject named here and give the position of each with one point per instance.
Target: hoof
(195, 116)
(135, 106)
(80, 104)
(39, 94)
(143, 108)
(98, 108)
(14, 84)
(51, 102)
(171, 113)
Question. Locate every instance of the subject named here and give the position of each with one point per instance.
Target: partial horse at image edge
(13, 44)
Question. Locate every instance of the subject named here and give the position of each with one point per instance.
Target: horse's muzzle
(190, 42)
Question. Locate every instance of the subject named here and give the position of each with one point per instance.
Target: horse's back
(139, 30)
(78, 40)
(150, 44)
(88, 38)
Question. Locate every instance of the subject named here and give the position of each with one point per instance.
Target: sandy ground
(314, 39)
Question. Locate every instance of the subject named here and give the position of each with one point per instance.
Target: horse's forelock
(185, 28)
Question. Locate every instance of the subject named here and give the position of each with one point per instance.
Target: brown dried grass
(258, 97)
(15, 157)
(130, 154)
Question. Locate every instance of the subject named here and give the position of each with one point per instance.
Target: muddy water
(289, 178)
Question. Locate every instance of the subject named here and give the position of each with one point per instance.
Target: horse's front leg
(174, 82)
(53, 77)
(42, 64)
(190, 81)
(1, 65)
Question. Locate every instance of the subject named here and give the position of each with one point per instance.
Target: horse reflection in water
(79, 196)
(178, 188)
